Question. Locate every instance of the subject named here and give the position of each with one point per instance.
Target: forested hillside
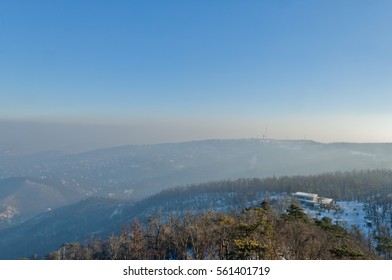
(138, 171)
(255, 233)
(102, 218)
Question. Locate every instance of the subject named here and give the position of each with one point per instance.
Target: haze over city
(89, 74)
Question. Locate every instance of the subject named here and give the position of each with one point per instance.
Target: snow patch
(117, 212)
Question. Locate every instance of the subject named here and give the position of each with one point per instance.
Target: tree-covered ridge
(254, 233)
(353, 185)
(79, 222)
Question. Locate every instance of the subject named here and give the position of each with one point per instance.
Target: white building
(313, 199)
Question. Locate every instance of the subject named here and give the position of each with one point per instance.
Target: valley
(50, 199)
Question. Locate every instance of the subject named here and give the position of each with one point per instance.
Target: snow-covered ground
(345, 213)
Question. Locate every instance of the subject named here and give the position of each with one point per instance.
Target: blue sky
(213, 69)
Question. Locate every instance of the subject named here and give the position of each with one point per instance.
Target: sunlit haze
(90, 74)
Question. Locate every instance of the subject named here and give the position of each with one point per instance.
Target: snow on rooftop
(306, 194)
(324, 200)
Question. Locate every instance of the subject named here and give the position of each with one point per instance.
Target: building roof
(312, 195)
(325, 200)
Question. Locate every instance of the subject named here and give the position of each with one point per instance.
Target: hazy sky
(182, 70)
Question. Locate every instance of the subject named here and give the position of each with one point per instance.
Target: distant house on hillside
(325, 201)
(307, 198)
(313, 199)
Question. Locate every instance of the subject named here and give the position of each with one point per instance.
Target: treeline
(254, 233)
(236, 194)
(353, 185)
(379, 212)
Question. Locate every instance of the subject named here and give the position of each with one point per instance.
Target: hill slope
(135, 172)
(99, 217)
(22, 198)
(47, 231)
